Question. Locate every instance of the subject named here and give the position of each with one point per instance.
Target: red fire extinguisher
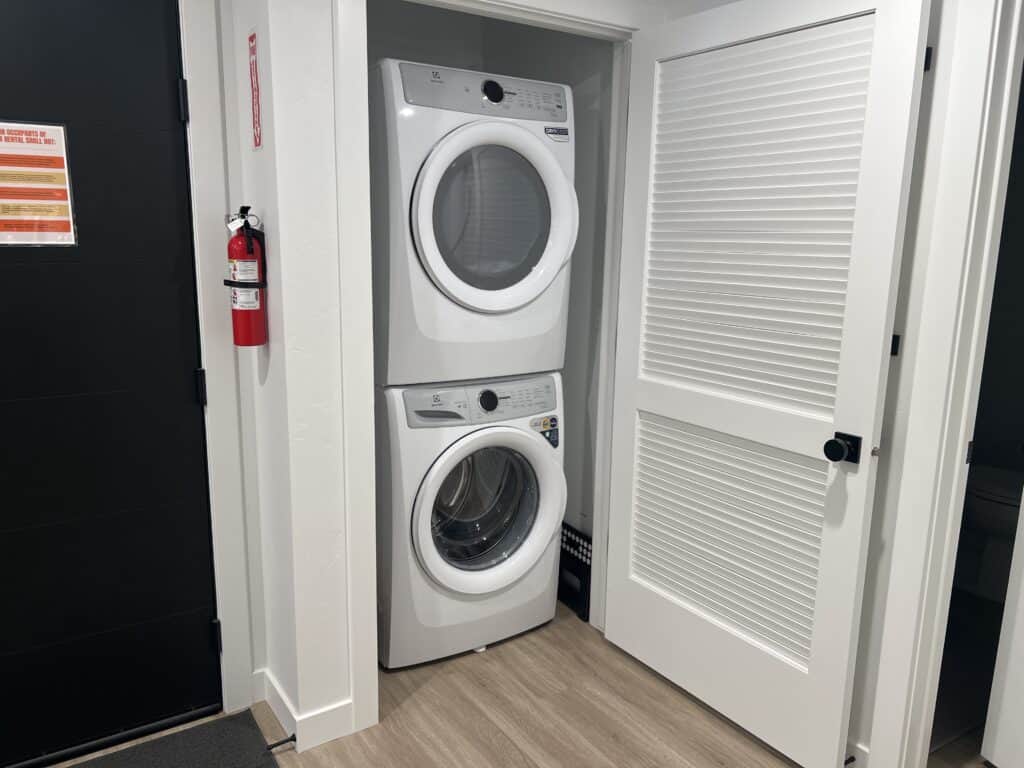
(247, 278)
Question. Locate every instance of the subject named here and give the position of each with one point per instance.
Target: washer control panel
(481, 94)
(479, 403)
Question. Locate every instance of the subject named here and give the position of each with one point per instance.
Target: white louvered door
(767, 173)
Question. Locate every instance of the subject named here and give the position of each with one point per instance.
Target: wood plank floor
(558, 696)
(962, 753)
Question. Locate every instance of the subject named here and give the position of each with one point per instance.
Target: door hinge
(970, 452)
(183, 99)
(928, 56)
(201, 386)
(218, 639)
(894, 348)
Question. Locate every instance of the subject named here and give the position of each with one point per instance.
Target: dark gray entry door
(106, 577)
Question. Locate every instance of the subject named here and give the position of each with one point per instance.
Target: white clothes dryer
(474, 222)
(470, 498)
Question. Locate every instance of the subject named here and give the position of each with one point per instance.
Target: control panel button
(488, 400)
(493, 91)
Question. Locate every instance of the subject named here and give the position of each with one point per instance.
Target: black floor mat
(227, 742)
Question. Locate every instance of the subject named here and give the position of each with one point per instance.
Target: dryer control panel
(481, 94)
(479, 403)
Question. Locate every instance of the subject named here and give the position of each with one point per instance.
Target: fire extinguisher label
(244, 271)
(245, 298)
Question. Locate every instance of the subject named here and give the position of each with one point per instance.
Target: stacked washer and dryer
(474, 222)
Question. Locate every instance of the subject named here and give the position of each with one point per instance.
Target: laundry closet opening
(976, 716)
(491, 205)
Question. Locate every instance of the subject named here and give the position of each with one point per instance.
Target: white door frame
(355, 275)
(979, 58)
(200, 50)
(608, 331)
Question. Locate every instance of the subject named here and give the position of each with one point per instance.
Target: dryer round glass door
(494, 216)
(488, 508)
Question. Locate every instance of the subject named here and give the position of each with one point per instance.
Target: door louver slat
(730, 529)
(756, 161)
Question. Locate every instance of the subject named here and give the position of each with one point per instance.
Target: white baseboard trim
(310, 728)
(860, 752)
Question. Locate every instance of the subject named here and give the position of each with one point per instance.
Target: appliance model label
(548, 428)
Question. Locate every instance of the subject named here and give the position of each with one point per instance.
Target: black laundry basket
(574, 571)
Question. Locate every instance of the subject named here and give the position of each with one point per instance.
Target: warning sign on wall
(254, 93)
(35, 187)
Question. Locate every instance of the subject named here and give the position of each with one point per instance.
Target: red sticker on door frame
(254, 89)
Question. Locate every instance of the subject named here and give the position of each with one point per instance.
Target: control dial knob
(493, 91)
(488, 400)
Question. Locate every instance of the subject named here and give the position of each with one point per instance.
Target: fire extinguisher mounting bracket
(235, 221)
(245, 284)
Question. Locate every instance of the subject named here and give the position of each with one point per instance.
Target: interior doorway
(979, 604)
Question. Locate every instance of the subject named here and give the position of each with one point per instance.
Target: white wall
(252, 180)
(409, 30)
(291, 390)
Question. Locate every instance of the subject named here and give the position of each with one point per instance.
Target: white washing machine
(474, 222)
(470, 499)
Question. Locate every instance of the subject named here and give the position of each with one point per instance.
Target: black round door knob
(488, 400)
(836, 449)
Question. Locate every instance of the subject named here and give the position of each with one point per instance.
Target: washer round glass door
(494, 216)
(487, 509)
